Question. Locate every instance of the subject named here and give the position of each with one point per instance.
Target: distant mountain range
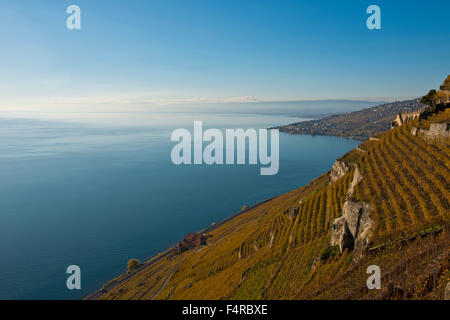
(296, 108)
(359, 125)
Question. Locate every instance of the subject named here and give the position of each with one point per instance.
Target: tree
(446, 82)
(441, 97)
(429, 98)
(328, 252)
(133, 264)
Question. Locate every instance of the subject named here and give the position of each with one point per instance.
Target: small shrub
(133, 264)
(328, 252)
(244, 208)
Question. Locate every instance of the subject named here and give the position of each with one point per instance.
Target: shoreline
(168, 253)
(113, 283)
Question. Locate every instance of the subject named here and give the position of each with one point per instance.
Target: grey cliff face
(353, 230)
(339, 169)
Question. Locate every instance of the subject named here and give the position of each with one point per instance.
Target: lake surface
(97, 189)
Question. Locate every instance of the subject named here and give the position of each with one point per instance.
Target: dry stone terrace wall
(438, 131)
(404, 118)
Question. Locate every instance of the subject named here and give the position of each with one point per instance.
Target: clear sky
(158, 52)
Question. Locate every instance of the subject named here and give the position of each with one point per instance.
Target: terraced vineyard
(281, 248)
(407, 182)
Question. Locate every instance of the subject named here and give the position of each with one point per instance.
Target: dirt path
(167, 280)
(97, 294)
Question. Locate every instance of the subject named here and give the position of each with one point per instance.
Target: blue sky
(164, 52)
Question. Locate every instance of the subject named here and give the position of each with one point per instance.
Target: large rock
(292, 212)
(339, 169)
(341, 235)
(354, 229)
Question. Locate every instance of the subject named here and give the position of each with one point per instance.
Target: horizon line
(161, 102)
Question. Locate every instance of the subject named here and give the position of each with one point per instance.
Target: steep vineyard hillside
(281, 248)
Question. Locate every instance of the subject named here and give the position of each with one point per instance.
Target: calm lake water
(95, 190)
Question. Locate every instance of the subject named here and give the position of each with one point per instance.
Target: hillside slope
(281, 248)
(358, 125)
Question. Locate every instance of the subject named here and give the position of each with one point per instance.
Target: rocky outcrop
(357, 178)
(341, 235)
(353, 230)
(272, 236)
(339, 169)
(292, 212)
(361, 150)
(364, 230)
